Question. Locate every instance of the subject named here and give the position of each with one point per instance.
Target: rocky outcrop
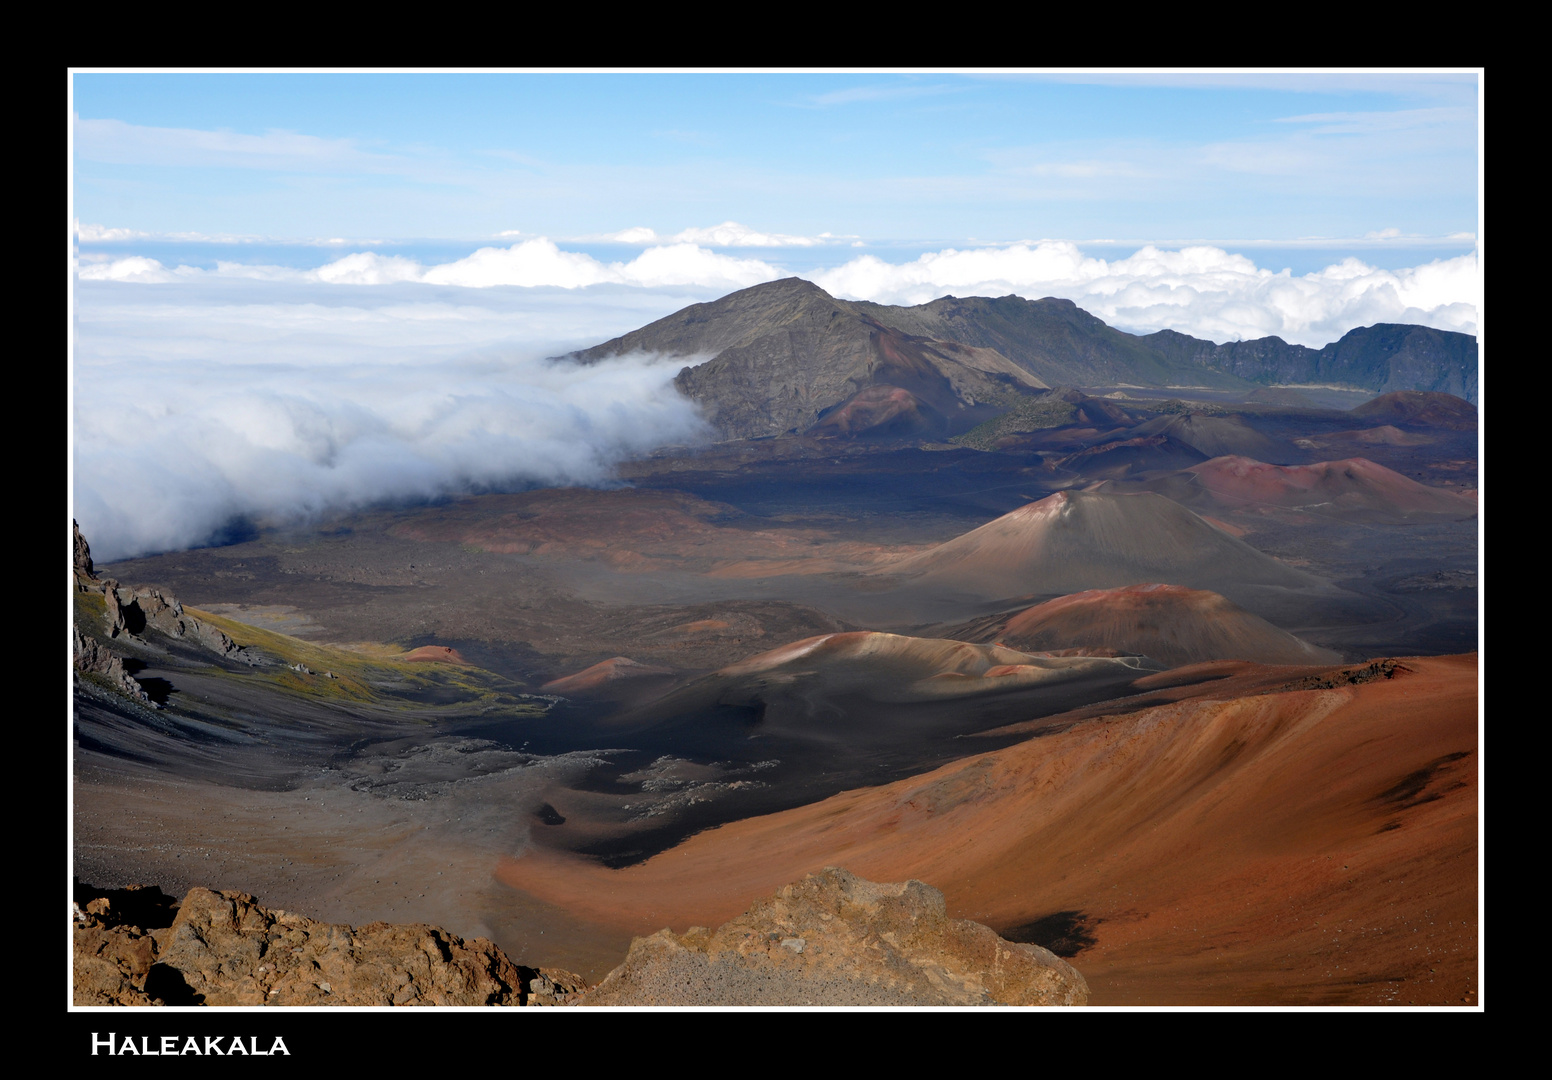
(135, 610)
(836, 939)
(132, 611)
(114, 953)
(830, 939)
(224, 948)
(94, 659)
(83, 559)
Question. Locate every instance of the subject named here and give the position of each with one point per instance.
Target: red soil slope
(1421, 408)
(441, 654)
(1353, 485)
(1311, 846)
(1170, 623)
(1077, 540)
(597, 679)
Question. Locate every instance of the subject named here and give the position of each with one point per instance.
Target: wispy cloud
(727, 234)
(120, 143)
(1445, 85)
(99, 234)
(1368, 123)
(884, 92)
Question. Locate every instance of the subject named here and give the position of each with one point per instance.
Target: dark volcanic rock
(1419, 409)
(785, 354)
(83, 558)
(137, 609)
(836, 939)
(1383, 357)
(94, 659)
(782, 356)
(1052, 339)
(134, 611)
(1215, 436)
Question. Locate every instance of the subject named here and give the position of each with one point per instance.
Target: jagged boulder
(111, 962)
(115, 944)
(224, 948)
(84, 572)
(837, 939)
(94, 659)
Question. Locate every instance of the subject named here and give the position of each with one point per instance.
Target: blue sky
(1239, 161)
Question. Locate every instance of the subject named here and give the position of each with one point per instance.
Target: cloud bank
(222, 402)
(1203, 291)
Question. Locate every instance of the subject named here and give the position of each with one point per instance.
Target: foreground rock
(836, 939)
(223, 948)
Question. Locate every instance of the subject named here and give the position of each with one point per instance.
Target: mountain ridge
(785, 354)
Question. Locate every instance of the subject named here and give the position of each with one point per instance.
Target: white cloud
(728, 234)
(1368, 123)
(209, 399)
(136, 269)
(89, 234)
(732, 234)
(639, 234)
(93, 233)
(370, 268)
(1199, 290)
(685, 264)
(531, 263)
(1203, 291)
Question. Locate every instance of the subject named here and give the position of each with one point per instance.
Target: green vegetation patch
(91, 613)
(358, 677)
(1176, 407)
(1037, 414)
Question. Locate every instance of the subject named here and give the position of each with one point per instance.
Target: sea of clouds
(205, 397)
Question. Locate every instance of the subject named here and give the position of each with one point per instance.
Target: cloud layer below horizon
(1203, 291)
(199, 406)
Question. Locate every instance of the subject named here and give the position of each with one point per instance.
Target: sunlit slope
(1313, 845)
(1078, 540)
(1170, 623)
